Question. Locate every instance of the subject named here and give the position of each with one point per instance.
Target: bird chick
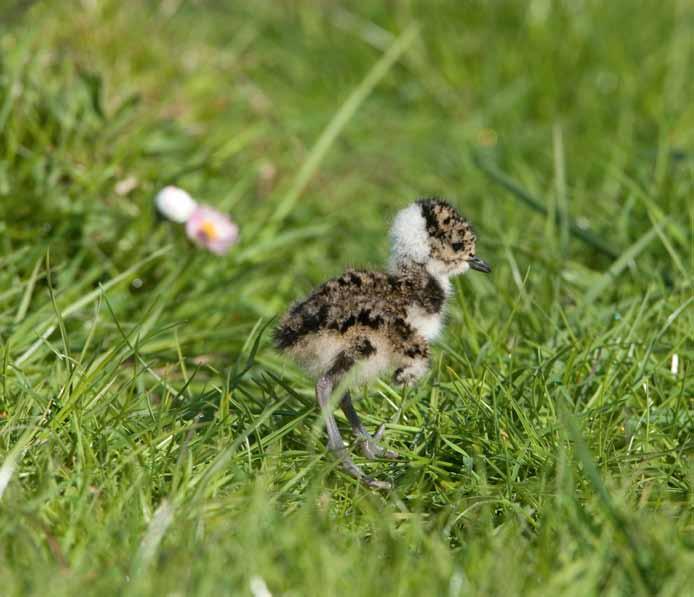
(363, 324)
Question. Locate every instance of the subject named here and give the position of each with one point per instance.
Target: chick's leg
(324, 389)
(370, 446)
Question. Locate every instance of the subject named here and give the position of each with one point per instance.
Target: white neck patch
(435, 269)
(408, 237)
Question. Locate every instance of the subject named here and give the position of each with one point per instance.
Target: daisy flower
(205, 226)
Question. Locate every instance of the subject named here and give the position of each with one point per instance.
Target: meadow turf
(151, 440)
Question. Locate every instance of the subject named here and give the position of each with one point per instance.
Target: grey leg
(324, 388)
(369, 444)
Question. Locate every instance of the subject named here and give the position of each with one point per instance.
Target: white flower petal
(175, 204)
(259, 587)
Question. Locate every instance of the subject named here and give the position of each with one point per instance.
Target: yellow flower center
(209, 230)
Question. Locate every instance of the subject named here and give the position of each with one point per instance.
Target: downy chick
(365, 323)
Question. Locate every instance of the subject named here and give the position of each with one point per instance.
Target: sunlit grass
(152, 442)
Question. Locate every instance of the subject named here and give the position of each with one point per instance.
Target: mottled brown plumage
(359, 311)
(364, 323)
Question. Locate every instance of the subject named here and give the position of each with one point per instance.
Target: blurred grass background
(153, 443)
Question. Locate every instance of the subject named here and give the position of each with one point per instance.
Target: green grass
(154, 442)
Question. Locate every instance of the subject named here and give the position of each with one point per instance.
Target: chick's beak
(479, 265)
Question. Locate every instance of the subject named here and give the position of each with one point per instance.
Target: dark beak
(479, 265)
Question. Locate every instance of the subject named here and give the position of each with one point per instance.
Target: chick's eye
(458, 246)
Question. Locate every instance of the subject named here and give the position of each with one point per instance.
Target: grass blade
(620, 264)
(86, 300)
(535, 204)
(618, 520)
(162, 519)
(28, 292)
(341, 118)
